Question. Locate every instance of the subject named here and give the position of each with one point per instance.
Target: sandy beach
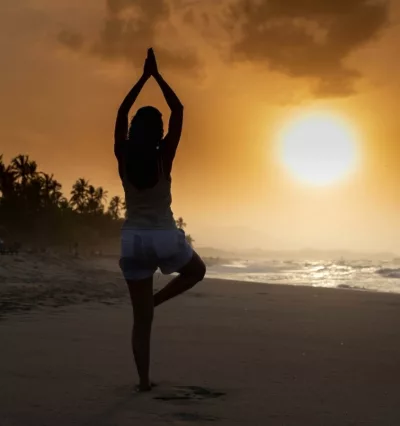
(227, 353)
(261, 135)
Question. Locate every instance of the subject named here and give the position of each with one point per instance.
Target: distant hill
(216, 253)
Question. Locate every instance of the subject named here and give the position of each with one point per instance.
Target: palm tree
(2, 174)
(32, 205)
(24, 168)
(95, 198)
(63, 203)
(92, 203)
(79, 194)
(51, 189)
(180, 223)
(7, 177)
(190, 240)
(7, 180)
(31, 169)
(101, 196)
(32, 194)
(115, 207)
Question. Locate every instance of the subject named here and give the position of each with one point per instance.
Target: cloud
(310, 39)
(130, 27)
(307, 38)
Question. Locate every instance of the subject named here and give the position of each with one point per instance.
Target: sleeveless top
(148, 208)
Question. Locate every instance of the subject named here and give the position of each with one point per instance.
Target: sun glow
(318, 148)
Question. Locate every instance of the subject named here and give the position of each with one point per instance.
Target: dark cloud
(130, 27)
(307, 38)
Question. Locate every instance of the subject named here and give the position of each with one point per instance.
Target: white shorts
(144, 251)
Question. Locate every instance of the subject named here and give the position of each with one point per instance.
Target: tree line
(34, 210)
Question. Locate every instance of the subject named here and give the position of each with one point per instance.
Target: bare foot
(145, 387)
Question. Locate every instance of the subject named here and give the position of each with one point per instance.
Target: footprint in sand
(189, 393)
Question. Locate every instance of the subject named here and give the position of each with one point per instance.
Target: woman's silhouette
(150, 238)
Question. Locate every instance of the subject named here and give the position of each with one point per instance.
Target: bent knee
(197, 272)
(202, 271)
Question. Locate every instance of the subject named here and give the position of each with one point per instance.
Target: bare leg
(143, 310)
(188, 277)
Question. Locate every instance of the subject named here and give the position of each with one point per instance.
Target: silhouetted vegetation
(180, 223)
(35, 211)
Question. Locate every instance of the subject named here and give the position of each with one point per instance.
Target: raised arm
(121, 125)
(176, 120)
(175, 105)
(172, 100)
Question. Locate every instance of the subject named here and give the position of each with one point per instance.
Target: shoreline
(31, 281)
(25, 297)
(343, 287)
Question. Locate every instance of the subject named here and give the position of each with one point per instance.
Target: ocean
(383, 276)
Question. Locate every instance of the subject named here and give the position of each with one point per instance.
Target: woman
(150, 238)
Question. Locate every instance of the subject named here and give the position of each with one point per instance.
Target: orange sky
(62, 77)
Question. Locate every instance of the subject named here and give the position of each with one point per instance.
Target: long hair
(145, 134)
(147, 127)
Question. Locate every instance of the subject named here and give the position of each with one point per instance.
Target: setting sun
(318, 149)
